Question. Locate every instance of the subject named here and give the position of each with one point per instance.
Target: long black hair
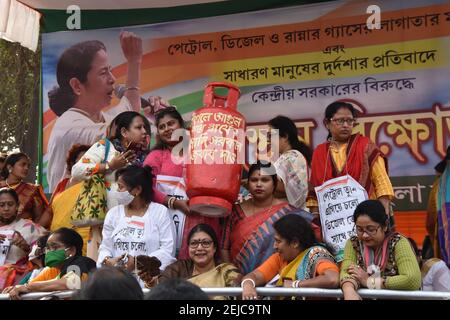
(75, 62)
(11, 160)
(287, 128)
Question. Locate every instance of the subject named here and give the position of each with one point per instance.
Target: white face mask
(122, 197)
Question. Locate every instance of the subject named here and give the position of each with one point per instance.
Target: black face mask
(8, 220)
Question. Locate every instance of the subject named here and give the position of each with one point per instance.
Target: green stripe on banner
(193, 101)
(55, 20)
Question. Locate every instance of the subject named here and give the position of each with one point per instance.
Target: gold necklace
(12, 186)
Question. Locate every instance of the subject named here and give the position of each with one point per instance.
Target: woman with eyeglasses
(347, 153)
(377, 257)
(65, 268)
(203, 267)
(292, 165)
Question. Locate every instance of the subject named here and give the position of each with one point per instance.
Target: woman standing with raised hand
(85, 88)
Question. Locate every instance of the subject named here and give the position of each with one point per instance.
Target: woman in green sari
(299, 261)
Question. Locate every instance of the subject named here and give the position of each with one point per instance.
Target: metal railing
(284, 292)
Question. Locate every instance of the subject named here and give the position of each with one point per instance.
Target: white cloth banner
(174, 186)
(337, 200)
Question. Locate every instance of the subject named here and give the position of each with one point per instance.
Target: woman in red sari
(32, 200)
(247, 239)
(346, 153)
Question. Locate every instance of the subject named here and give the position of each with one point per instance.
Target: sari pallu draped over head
(443, 215)
(361, 155)
(253, 237)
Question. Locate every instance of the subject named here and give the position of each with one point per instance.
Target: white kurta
(73, 127)
(151, 235)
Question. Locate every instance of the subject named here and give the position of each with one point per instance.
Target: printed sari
(252, 238)
(304, 267)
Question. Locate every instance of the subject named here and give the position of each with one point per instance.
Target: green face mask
(55, 257)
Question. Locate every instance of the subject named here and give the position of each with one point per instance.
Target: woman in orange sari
(31, 197)
(247, 238)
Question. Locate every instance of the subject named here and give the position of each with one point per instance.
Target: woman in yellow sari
(65, 196)
(203, 267)
(299, 262)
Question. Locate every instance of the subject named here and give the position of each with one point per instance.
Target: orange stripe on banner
(411, 224)
(161, 57)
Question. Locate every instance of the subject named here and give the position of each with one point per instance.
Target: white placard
(5, 245)
(174, 186)
(337, 200)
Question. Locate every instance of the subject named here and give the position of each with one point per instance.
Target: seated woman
(36, 259)
(65, 262)
(138, 226)
(377, 258)
(300, 261)
(203, 267)
(17, 235)
(248, 232)
(32, 199)
(434, 271)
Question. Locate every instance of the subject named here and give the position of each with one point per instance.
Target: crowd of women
(273, 238)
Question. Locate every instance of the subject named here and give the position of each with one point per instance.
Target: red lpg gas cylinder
(216, 153)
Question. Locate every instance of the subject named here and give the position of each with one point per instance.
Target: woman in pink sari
(247, 239)
(167, 167)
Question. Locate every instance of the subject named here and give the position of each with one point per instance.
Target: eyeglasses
(341, 121)
(53, 247)
(370, 230)
(205, 243)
